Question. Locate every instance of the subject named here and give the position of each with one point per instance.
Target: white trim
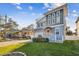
(55, 34)
(52, 26)
(55, 25)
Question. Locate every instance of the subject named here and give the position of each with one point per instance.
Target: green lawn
(10, 48)
(68, 48)
(51, 49)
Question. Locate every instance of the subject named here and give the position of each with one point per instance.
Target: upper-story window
(58, 17)
(58, 13)
(53, 14)
(49, 18)
(53, 18)
(38, 25)
(41, 24)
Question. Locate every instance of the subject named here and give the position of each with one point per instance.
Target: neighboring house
(77, 26)
(28, 31)
(7, 25)
(52, 24)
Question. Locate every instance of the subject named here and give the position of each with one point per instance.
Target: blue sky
(26, 13)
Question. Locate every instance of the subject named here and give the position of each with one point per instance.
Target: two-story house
(77, 26)
(52, 24)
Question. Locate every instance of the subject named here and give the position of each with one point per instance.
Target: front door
(57, 34)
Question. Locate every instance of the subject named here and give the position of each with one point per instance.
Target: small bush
(2, 39)
(40, 40)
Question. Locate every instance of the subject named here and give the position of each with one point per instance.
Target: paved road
(13, 42)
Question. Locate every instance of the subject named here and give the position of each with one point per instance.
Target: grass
(68, 48)
(7, 49)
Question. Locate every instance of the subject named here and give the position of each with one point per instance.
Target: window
(58, 20)
(38, 25)
(57, 31)
(53, 20)
(58, 13)
(49, 21)
(49, 16)
(58, 17)
(53, 14)
(58, 35)
(41, 24)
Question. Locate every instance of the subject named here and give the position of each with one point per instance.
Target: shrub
(40, 39)
(2, 39)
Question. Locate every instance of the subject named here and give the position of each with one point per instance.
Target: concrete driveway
(13, 42)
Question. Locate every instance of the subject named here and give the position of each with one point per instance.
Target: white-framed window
(58, 20)
(58, 17)
(58, 13)
(49, 16)
(41, 24)
(53, 14)
(53, 18)
(38, 25)
(49, 19)
(57, 31)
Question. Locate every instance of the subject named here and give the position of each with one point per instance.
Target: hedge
(40, 39)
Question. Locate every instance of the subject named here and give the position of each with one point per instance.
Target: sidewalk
(13, 42)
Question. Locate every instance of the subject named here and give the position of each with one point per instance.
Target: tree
(68, 31)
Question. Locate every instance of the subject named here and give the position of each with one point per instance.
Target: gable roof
(48, 12)
(77, 19)
(55, 9)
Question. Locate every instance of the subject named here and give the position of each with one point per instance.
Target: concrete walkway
(71, 37)
(13, 42)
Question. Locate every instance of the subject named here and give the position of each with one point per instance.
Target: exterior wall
(41, 23)
(40, 32)
(54, 37)
(60, 37)
(53, 18)
(77, 25)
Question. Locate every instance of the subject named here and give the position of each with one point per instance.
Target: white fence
(71, 37)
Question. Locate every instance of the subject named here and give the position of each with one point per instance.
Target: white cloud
(40, 14)
(33, 14)
(49, 9)
(49, 6)
(30, 7)
(18, 7)
(74, 13)
(46, 5)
